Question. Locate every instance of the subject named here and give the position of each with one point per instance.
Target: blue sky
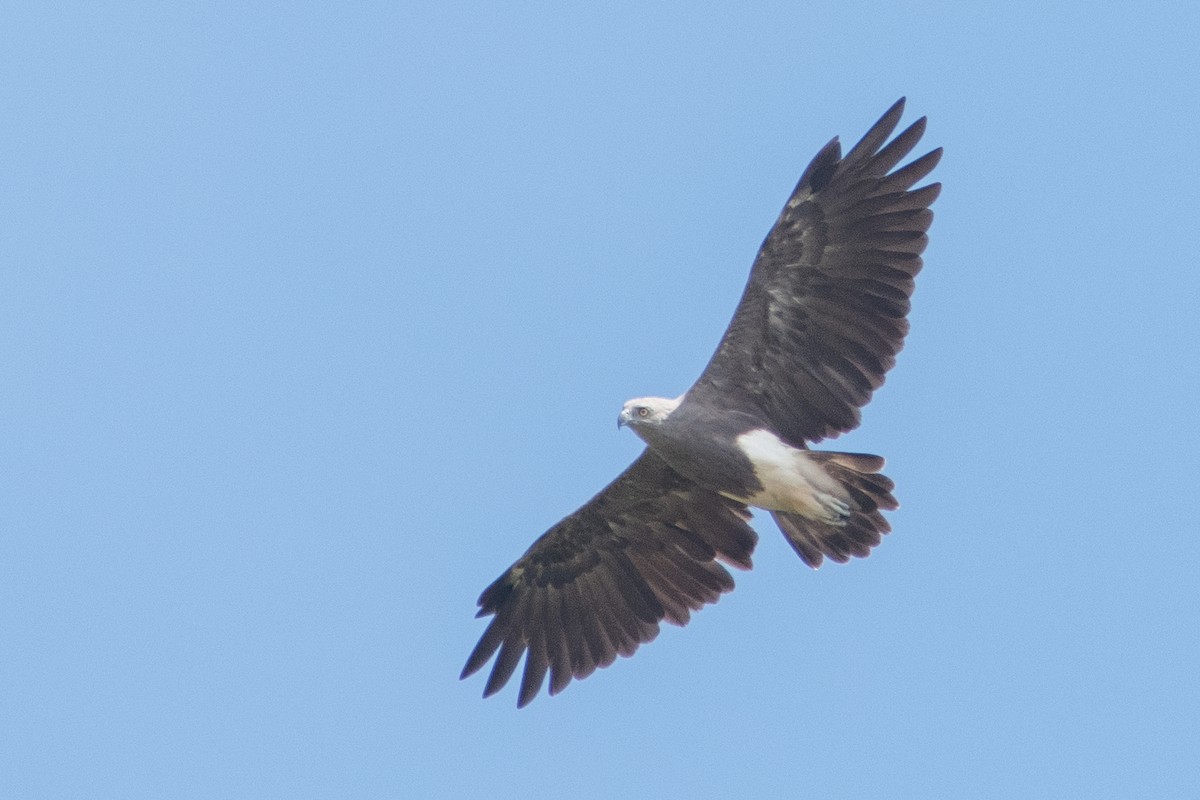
(313, 316)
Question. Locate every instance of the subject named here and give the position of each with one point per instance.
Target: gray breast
(701, 444)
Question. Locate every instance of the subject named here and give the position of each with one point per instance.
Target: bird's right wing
(598, 583)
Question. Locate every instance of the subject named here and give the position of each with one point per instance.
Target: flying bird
(820, 322)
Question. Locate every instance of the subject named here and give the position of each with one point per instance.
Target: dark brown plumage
(819, 324)
(596, 585)
(823, 313)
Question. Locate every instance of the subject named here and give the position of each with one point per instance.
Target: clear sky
(313, 316)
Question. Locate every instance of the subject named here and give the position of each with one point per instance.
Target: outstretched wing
(598, 583)
(823, 313)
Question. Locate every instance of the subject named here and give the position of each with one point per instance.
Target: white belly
(792, 480)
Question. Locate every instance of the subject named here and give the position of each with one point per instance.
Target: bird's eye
(643, 412)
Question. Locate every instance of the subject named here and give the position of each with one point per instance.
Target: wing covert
(597, 584)
(823, 314)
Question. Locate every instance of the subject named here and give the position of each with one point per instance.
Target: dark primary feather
(823, 313)
(598, 583)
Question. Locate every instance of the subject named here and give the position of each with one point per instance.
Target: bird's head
(641, 412)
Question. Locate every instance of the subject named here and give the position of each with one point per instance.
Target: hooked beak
(624, 418)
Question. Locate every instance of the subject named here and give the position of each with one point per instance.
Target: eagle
(819, 324)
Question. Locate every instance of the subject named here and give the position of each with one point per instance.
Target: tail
(868, 492)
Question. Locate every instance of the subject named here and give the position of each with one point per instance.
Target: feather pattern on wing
(823, 313)
(598, 583)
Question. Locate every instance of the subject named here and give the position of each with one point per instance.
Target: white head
(642, 411)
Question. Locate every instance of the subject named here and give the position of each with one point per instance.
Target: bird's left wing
(823, 314)
(598, 583)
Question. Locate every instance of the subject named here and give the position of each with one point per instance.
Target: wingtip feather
(874, 138)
